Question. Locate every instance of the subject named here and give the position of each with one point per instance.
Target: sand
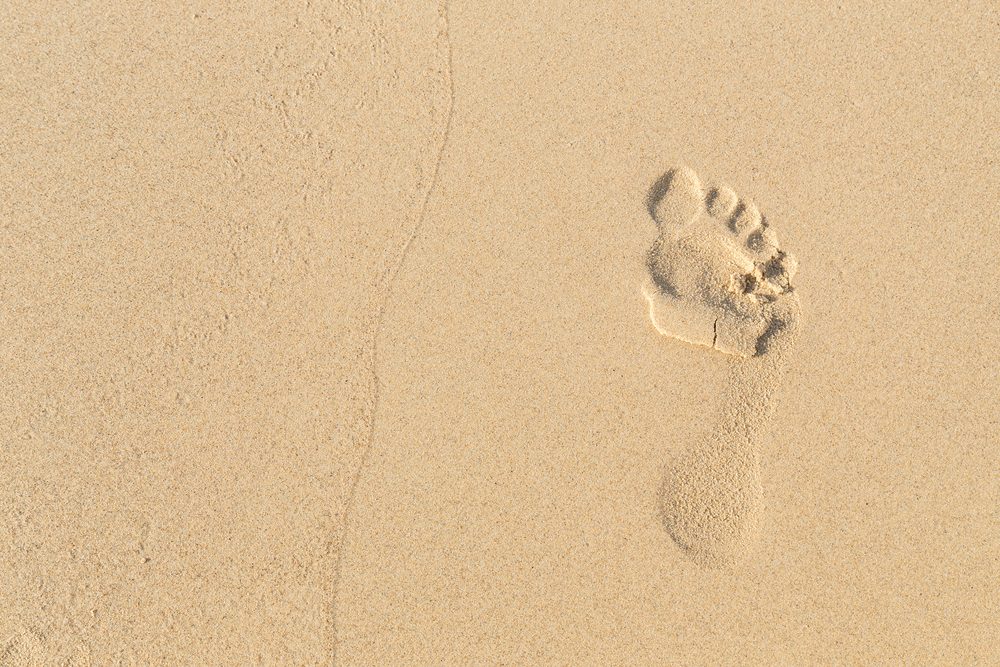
(331, 334)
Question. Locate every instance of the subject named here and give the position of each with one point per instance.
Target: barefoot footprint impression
(716, 274)
(717, 277)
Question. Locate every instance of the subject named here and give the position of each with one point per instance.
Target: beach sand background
(244, 421)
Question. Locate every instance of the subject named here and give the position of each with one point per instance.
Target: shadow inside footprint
(658, 191)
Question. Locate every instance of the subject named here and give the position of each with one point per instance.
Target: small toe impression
(721, 202)
(763, 241)
(747, 218)
(780, 270)
(676, 199)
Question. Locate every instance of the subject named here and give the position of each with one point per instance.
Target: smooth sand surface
(201, 207)
(245, 420)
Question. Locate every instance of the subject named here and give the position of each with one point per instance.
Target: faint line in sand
(386, 282)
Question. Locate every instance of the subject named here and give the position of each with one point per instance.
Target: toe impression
(721, 202)
(676, 199)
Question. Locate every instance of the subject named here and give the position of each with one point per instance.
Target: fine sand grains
(200, 209)
(718, 278)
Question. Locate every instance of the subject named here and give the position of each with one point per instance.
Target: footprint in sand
(718, 278)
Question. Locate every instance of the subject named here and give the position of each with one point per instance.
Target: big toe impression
(677, 199)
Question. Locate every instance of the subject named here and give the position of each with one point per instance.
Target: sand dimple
(718, 278)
